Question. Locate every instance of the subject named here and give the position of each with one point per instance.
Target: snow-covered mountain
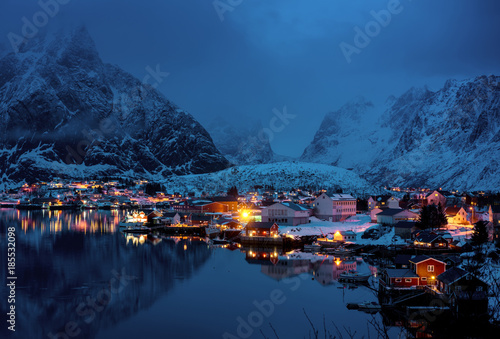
(240, 141)
(448, 138)
(63, 112)
(280, 175)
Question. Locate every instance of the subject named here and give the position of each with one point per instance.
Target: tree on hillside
(152, 188)
(480, 234)
(441, 216)
(233, 191)
(432, 216)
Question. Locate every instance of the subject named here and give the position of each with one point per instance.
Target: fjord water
(77, 273)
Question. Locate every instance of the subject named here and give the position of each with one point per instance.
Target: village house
(435, 198)
(402, 261)
(383, 202)
(261, 229)
(430, 241)
(494, 215)
(456, 215)
(465, 291)
(404, 229)
(399, 278)
(199, 219)
(200, 206)
(154, 217)
(286, 213)
(171, 218)
(392, 216)
(373, 214)
(348, 235)
(230, 201)
(427, 268)
(338, 207)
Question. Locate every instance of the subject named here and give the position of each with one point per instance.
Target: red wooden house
(427, 268)
(261, 229)
(399, 278)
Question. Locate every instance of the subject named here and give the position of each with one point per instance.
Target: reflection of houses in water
(286, 267)
(277, 266)
(268, 256)
(140, 239)
(110, 267)
(327, 270)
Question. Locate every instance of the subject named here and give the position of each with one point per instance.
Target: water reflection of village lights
(185, 247)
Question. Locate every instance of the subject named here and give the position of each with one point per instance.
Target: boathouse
(261, 229)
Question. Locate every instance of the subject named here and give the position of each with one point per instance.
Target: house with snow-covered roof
(286, 213)
(392, 216)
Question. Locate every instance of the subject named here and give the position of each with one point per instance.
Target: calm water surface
(80, 277)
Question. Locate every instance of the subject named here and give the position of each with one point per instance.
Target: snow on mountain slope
(239, 141)
(281, 175)
(449, 138)
(63, 112)
(348, 137)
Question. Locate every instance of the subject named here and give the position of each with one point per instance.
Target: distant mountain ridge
(448, 138)
(243, 142)
(63, 112)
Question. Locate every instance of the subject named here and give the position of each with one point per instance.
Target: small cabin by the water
(261, 229)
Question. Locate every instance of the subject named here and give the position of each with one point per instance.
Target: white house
(335, 208)
(457, 216)
(286, 213)
(383, 202)
(392, 216)
(348, 235)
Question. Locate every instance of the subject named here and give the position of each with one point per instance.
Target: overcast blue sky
(267, 54)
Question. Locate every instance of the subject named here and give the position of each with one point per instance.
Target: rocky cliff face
(63, 112)
(448, 138)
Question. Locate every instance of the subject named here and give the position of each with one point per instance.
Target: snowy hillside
(65, 113)
(449, 138)
(282, 175)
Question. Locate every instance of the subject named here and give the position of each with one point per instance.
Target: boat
(342, 252)
(230, 233)
(354, 276)
(312, 247)
(328, 242)
(220, 241)
(211, 231)
(134, 219)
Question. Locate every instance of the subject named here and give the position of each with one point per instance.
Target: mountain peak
(81, 115)
(424, 138)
